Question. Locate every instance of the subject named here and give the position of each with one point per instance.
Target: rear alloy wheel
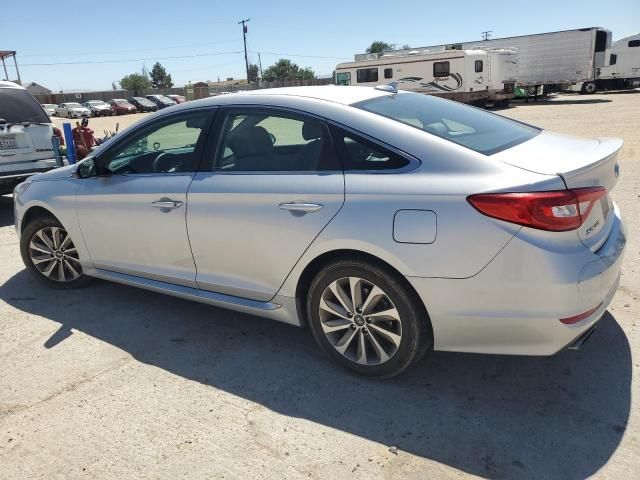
(48, 250)
(367, 319)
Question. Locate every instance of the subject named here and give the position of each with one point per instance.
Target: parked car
(388, 222)
(177, 98)
(119, 106)
(142, 104)
(98, 108)
(25, 137)
(72, 110)
(161, 101)
(49, 108)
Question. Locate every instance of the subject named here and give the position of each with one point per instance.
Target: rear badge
(592, 227)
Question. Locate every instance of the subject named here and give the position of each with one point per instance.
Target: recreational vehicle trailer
(623, 69)
(468, 76)
(555, 60)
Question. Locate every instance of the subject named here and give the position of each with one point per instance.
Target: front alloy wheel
(360, 321)
(48, 250)
(54, 255)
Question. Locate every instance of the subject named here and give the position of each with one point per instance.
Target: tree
(253, 73)
(378, 47)
(285, 69)
(136, 82)
(159, 77)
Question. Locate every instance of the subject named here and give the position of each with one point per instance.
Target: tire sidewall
(410, 316)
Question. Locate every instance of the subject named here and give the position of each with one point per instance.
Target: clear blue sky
(207, 30)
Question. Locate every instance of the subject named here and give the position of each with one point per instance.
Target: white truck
(623, 68)
(470, 76)
(554, 60)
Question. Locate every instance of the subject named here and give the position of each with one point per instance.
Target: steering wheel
(162, 158)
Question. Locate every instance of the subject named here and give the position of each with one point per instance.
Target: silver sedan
(388, 223)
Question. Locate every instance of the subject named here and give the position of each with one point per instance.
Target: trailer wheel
(588, 88)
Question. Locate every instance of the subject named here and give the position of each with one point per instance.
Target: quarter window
(275, 142)
(358, 153)
(167, 146)
(479, 66)
(388, 73)
(441, 69)
(365, 75)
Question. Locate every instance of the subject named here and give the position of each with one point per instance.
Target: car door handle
(301, 207)
(167, 204)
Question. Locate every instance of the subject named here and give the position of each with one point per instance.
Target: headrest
(255, 141)
(311, 130)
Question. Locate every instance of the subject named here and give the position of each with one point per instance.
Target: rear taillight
(557, 211)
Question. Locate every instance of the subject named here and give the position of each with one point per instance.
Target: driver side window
(167, 146)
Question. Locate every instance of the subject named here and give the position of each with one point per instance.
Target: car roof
(344, 95)
(6, 84)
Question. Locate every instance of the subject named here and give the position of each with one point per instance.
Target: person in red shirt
(83, 139)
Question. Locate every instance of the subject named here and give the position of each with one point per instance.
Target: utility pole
(244, 37)
(487, 35)
(260, 64)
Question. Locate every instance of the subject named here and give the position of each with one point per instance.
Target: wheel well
(32, 214)
(318, 263)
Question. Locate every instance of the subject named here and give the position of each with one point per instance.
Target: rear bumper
(514, 305)
(11, 176)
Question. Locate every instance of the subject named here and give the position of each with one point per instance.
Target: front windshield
(121, 102)
(96, 102)
(473, 128)
(73, 105)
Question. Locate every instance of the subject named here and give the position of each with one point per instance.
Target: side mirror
(86, 169)
(273, 138)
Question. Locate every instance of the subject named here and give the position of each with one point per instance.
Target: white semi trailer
(478, 76)
(554, 60)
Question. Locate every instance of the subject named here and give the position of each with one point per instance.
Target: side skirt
(280, 308)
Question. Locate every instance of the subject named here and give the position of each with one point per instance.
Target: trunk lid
(580, 163)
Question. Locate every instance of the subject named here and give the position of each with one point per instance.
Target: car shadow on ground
(6, 210)
(493, 416)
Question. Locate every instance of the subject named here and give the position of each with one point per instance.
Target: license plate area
(8, 142)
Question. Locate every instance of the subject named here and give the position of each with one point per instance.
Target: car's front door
(132, 214)
(273, 183)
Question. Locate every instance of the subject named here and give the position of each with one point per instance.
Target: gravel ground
(114, 382)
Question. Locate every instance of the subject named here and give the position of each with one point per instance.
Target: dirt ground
(114, 382)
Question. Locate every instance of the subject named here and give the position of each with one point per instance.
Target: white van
(25, 137)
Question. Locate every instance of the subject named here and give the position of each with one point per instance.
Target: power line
(128, 51)
(88, 62)
(302, 56)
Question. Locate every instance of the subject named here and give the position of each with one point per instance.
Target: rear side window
(473, 128)
(17, 106)
(358, 153)
(367, 75)
(441, 69)
(275, 141)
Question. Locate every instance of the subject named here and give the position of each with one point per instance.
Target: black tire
(416, 337)
(589, 88)
(28, 234)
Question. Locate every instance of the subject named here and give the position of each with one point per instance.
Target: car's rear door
(133, 219)
(273, 183)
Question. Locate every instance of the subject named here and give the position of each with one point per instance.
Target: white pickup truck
(25, 137)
